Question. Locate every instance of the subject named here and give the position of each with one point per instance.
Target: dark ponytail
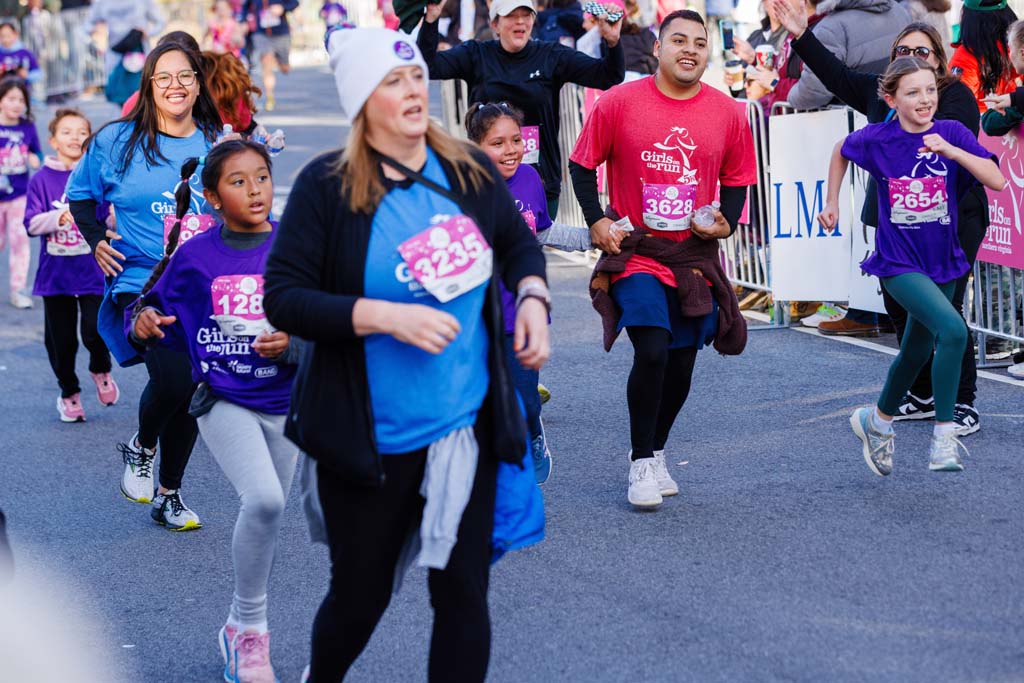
(183, 200)
(481, 116)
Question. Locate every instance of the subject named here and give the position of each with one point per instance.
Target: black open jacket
(315, 273)
(859, 91)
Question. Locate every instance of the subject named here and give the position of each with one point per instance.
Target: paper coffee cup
(734, 67)
(764, 57)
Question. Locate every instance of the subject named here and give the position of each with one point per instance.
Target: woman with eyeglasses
(957, 103)
(133, 164)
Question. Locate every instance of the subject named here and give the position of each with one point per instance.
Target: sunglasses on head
(904, 51)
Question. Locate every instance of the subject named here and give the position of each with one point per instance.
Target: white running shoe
(170, 511)
(825, 313)
(137, 480)
(666, 484)
(644, 491)
(944, 454)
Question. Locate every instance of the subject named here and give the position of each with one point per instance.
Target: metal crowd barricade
(993, 306)
(746, 252)
(69, 60)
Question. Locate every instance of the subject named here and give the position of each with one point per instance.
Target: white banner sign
(808, 263)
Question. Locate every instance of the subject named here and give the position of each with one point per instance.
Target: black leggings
(62, 325)
(657, 388)
(972, 224)
(163, 409)
(366, 529)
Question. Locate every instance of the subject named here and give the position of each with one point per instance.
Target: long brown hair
(361, 184)
(900, 67)
(144, 119)
(942, 76)
(229, 83)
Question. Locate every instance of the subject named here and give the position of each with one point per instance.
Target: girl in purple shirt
(207, 300)
(922, 168)
(19, 152)
(68, 278)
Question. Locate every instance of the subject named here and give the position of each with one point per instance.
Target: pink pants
(12, 225)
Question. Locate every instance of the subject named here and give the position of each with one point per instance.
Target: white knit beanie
(362, 57)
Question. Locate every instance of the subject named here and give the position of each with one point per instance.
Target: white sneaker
(666, 484)
(825, 313)
(170, 511)
(644, 491)
(21, 300)
(137, 480)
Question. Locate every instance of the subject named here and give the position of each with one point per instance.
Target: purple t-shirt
(917, 198)
(17, 142)
(66, 265)
(528, 190)
(18, 58)
(216, 292)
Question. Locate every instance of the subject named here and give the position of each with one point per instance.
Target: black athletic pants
(366, 529)
(658, 386)
(163, 408)
(62, 325)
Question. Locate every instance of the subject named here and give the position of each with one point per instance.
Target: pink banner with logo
(1004, 242)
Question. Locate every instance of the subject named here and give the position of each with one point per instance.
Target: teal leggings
(932, 322)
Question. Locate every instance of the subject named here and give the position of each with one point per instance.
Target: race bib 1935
(917, 200)
(450, 258)
(668, 207)
(67, 241)
(238, 305)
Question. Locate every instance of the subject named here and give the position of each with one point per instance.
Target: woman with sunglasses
(956, 102)
(133, 164)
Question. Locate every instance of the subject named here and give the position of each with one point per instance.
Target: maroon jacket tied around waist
(694, 262)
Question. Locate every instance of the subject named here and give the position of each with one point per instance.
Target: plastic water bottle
(705, 215)
(228, 130)
(259, 135)
(275, 143)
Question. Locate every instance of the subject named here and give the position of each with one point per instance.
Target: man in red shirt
(670, 145)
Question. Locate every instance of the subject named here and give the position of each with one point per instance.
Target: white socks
(944, 429)
(880, 424)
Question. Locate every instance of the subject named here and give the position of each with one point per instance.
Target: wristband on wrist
(534, 291)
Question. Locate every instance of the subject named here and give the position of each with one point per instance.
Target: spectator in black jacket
(526, 73)
(956, 102)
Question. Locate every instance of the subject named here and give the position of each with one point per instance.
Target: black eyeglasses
(163, 79)
(904, 51)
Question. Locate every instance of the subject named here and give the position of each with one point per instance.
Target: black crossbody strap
(420, 178)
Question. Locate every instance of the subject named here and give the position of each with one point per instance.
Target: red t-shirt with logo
(645, 137)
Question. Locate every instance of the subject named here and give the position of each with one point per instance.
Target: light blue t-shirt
(418, 397)
(141, 197)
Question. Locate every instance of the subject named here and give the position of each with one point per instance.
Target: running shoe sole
(865, 447)
(946, 467)
(188, 526)
(223, 642)
(144, 501)
(924, 415)
(648, 504)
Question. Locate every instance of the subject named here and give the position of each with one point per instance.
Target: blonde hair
(1015, 35)
(900, 67)
(358, 166)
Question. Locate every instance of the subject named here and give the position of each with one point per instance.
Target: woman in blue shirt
(404, 393)
(134, 164)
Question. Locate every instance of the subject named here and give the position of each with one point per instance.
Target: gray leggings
(259, 462)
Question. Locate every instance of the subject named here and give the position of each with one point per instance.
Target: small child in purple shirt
(922, 166)
(497, 129)
(207, 300)
(19, 152)
(15, 59)
(68, 277)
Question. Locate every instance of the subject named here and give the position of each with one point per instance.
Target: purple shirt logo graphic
(404, 50)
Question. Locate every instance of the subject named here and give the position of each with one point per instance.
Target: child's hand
(65, 218)
(148, 323)
(934, 143)
(829, 217)
(271, 344)
(433, 11)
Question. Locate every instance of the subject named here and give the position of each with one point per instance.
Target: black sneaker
(966, 419)
(914, 408)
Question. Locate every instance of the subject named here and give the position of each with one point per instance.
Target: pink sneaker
(252, 655)
(70, 408)
(226, 639)
(106, 388)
